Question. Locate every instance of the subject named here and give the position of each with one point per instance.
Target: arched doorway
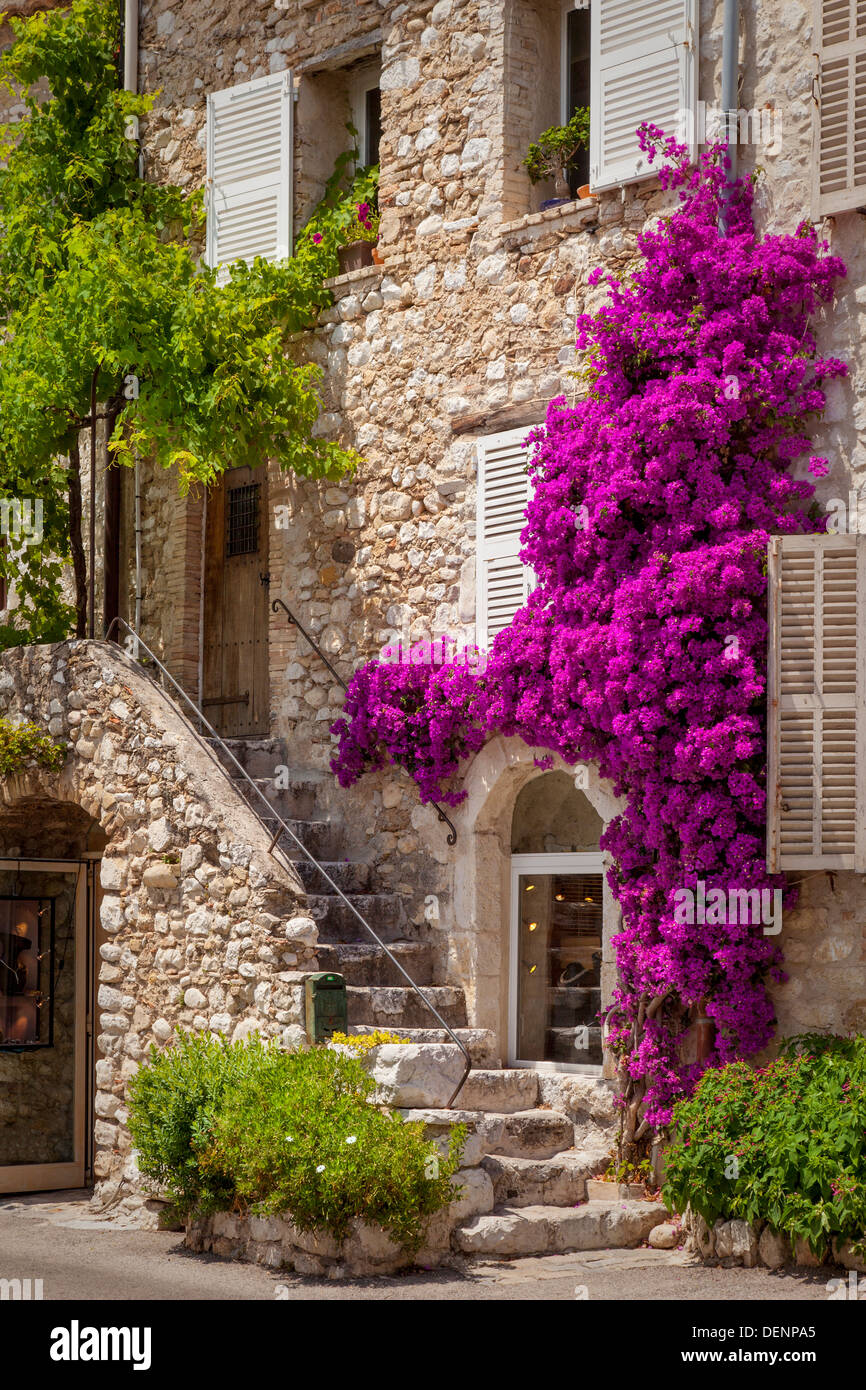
(556, 927)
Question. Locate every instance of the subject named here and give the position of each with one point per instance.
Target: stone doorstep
(538, 1230)
(479, 1042)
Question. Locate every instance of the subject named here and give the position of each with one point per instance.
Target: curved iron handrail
(274, 815)
(451, 837)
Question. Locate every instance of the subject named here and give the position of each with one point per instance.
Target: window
(816, 800)
(242, 520)
(372, 125)
(503, 492)
(575, 84)
(643, 62)
(249, 159)
(839, 114)
(26, 972)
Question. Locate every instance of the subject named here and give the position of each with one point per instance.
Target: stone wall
(204, 929)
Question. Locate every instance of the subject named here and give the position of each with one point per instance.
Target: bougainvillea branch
(643, 647)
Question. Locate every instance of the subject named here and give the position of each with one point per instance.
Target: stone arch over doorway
(479, 944)
(203, 928)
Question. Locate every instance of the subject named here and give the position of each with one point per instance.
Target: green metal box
(326, 1005)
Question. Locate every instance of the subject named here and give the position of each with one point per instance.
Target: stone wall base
(275, 1242)
(742, 1243)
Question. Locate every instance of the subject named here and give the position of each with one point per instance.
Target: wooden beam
(505, 417)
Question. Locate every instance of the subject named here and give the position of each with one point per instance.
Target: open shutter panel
(815, 794)
(503, 492)
(643, 68)
(839, 116)
(249, 171)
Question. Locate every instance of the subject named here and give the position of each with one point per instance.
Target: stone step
(521, 1133)
(480, 1043)
(259, 757)
(324, 839)
(559, 1181)
(362, 964)
(350, 878)
(543, 1230)
(395, 1007)
(385, 913)
(301, 799)
(501, 1091)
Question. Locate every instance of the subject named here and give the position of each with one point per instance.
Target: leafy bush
(797, 1130)
(172, 1107)
(553, 154)
(21, 744)
(255, 1128)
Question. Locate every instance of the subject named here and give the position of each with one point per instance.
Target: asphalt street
(57, 1239)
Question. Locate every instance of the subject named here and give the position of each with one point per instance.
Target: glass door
(43, 962)
(555, 959)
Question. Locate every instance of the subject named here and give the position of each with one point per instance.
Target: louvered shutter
(643, 67)
(249, 146)
(503, 492)
(839, 115)
(816, 809)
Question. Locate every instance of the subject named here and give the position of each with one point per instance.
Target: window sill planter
(355, 256)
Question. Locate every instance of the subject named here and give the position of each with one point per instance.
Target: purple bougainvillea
(643, 648)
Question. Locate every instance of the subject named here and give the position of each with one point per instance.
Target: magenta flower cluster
(643, 648)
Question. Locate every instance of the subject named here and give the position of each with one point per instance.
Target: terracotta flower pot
(378, 258)
(354, 256)
(584, 191)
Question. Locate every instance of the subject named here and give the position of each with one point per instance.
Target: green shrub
(255, 1128)
(172, 1105)
(21, 744)
(797, 1132)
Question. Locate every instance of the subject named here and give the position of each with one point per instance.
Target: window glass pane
(372, 125)
(577, 76)
(559, 946)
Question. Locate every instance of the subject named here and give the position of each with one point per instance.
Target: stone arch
(479, 956)
(205, 929)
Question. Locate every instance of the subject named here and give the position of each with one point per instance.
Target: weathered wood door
(235, 687)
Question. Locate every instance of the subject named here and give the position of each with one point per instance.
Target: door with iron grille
(235, 686)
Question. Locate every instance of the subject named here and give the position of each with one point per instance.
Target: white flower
(289, 1139)
(352, 1139)
(321, 1168)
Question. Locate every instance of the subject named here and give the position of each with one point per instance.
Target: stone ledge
(578, 209)
(355, 277)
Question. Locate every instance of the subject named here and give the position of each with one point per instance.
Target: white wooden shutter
(503, 492)
(816, 808)
(839, 115)
(643, 67)
(249, 158)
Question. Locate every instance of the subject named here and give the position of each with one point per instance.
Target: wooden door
(235, 687)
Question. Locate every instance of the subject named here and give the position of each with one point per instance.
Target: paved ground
(55, 1238)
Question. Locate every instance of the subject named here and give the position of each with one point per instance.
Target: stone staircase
(534, 1139)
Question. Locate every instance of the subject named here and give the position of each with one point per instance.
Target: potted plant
(358, 236)
(554, 153)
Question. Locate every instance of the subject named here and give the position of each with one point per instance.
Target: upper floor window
(249, 171)
(839, 114)
(644, 57)
(575, 81)
(503, 581)
(816, 782)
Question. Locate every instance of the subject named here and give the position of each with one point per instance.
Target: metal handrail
(274, 815)
(451, 837)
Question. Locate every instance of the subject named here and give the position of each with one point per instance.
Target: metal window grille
(242, 529)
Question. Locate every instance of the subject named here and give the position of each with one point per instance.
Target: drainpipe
(130, 82)
(730, 94)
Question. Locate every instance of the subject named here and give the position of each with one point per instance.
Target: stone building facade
(463, 333)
